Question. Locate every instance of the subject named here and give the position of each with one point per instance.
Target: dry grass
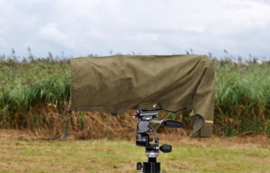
(26, 152)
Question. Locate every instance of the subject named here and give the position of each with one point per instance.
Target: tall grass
(30, 85)
(242, 103)
(34, 94)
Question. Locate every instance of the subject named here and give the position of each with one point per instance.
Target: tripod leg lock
(139, 166)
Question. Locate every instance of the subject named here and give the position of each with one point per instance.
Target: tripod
(145, 118)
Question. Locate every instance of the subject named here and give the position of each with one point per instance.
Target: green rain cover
(175, 83)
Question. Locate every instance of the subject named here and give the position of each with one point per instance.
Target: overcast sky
(104, 27)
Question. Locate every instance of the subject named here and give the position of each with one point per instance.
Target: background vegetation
(34, 94)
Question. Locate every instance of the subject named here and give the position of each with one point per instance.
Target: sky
(162, 27)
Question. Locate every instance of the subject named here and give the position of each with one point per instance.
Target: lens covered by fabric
(117, 83)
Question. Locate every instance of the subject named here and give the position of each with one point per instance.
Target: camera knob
(166, 148)
(139, 166)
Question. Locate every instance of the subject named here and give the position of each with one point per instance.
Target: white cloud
(51, 32)
(250, 14)
(147, 36)
(150, 27)
(3, 43)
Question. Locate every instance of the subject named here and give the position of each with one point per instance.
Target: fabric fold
(118, 83)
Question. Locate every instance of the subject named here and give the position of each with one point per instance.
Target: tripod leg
(152, 166)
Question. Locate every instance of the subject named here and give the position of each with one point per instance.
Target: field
(21, 152)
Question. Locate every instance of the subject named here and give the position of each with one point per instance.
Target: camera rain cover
(175, 83)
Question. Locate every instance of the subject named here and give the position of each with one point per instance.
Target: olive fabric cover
(175, 83)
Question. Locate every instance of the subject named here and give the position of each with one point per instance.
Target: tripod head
(145, 118)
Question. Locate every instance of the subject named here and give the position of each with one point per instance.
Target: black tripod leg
(152, 166)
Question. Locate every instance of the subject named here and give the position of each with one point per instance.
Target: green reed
(32, 90)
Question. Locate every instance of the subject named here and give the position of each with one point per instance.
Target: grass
(242, 100)
(19, 153)
(34, 94)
